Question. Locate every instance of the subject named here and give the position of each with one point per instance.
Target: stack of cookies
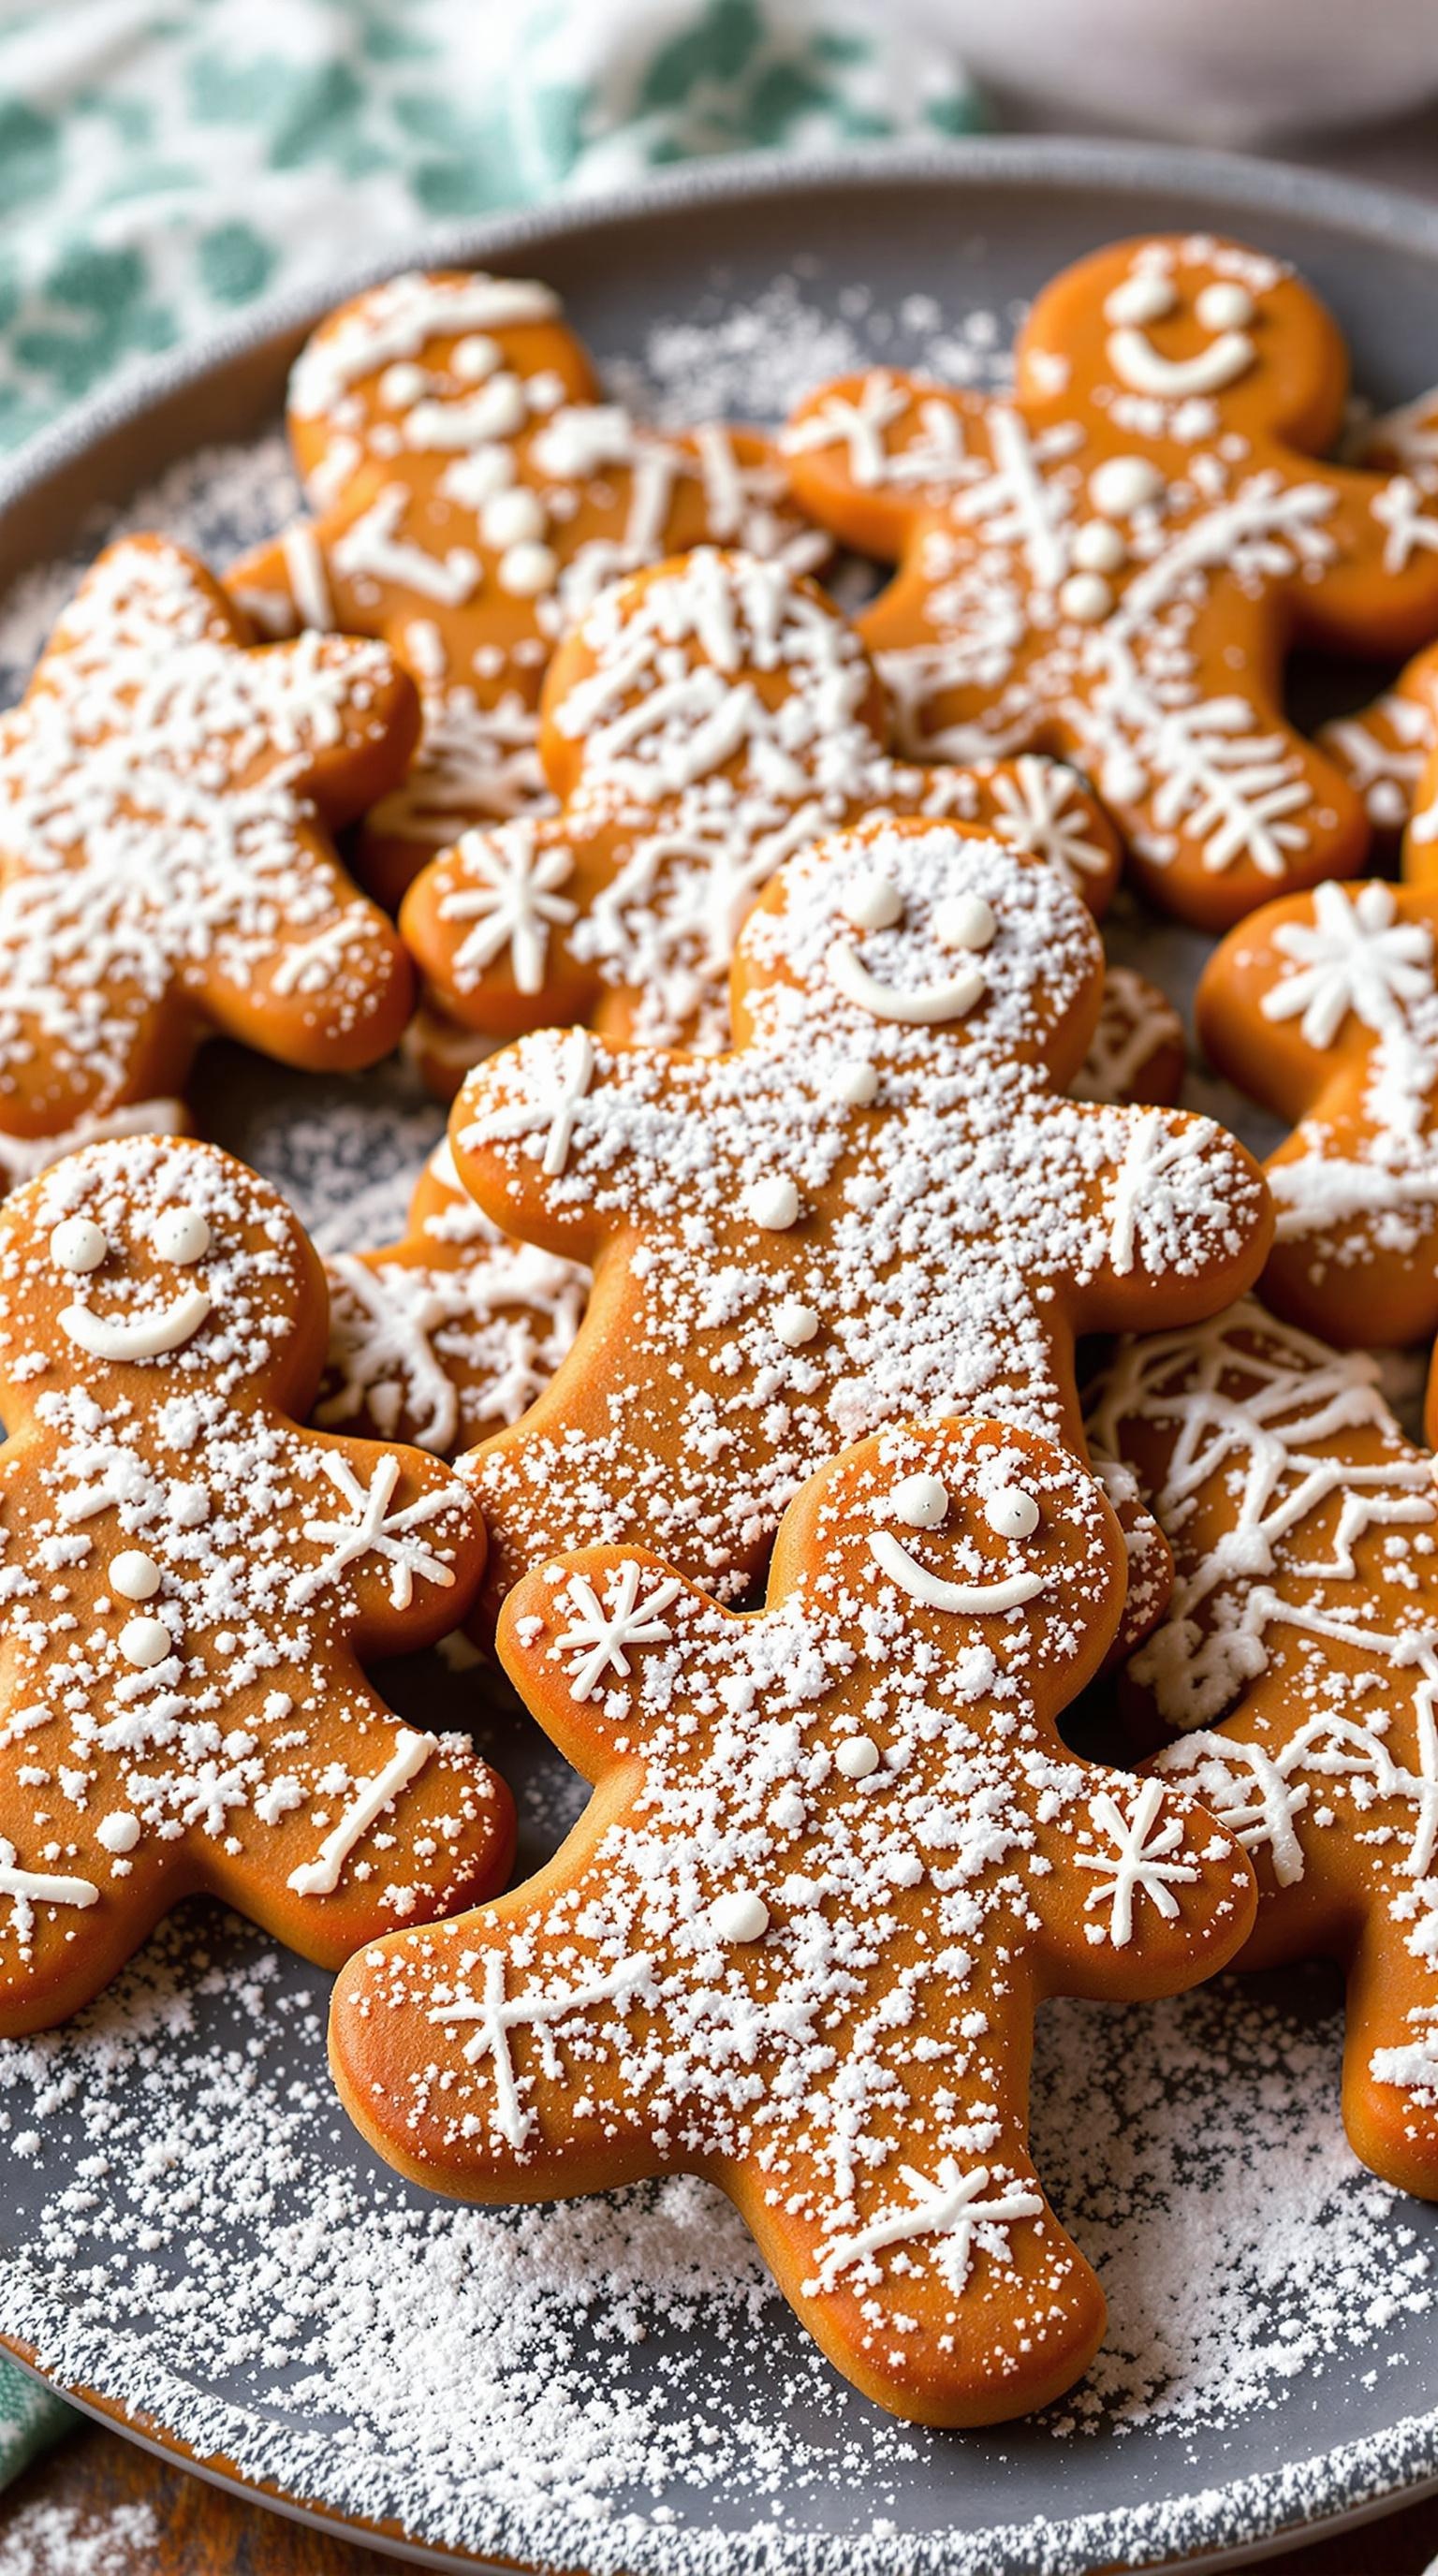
(821, 1348)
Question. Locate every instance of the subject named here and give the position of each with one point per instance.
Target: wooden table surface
(101, 2505)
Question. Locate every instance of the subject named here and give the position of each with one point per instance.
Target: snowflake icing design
(601, 1634)
(1141, 1862)
(950, 2206)
(1355, 956)
(513, 899)
(373, 1530)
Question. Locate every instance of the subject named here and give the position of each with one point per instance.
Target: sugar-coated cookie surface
(702, 721)
(166, 797)
(448, 1333)
(1113, 562)
(877, 1206)
(471, 491)
(187, 1583)
(836, 1855)
(1302, 1644)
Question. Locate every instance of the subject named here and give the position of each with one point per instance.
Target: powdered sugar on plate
(194, 2231)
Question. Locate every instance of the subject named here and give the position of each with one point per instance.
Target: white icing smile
(949, 999)
(1007, 1594)
(1222, 307)
(146, 1337)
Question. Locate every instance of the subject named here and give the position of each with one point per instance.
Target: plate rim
(1237, 184)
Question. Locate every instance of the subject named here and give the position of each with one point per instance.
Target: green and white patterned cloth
(162, 165)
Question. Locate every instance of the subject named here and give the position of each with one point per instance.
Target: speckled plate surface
(191, 2234)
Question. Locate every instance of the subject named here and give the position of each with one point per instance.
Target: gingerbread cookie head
(875, 1207)
(167, 793)
(1325, 1008)
(703, 721)
(1146, 331)
(837, 1855)
(191, 1579)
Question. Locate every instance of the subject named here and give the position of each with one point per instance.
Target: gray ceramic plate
(194, 2239)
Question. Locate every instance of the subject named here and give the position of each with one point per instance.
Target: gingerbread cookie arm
(552, 1136)
(1183, 1223)
(872, 457)
(1390, 2051)
(392, 1545)
(1383, 750)
(487, 922)
(1379, 592)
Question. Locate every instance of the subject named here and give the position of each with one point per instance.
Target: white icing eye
(528, 570)
(858, 1757)
(739, 1916)
(401, 386)
(964, 921)
(181, 1234)
(1012, 1513)
(795, 1324)
(856, 1084)
(134, 1575)
(1225, 305)
(873, 903)
(1098, 547)
(512, 517)
(1123, 484)
(772, 1203)
(1086, 597)
(1144, 298)
(77, 1244)
(145, 1643)
(118, 1832)
(921, 1501)
(473, 359)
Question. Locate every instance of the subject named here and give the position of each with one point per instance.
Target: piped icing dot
(1012, 1513)
(857, 1083)
(145, 1642)
(1147, 297)
(118, 1832)
(77, 1244)
(872, 902)
(1086, 597)
(1123, 484)
(740, 1915)
(1098, 547)
(772, 1203)
(795, 1323)
(1225, 305)
(181, 1234)
(527, 570)
(858, 1757)
(474, 358)
(965, 921)
(512, 517)
(134, 1575)
(401, 385)
(921, 1501)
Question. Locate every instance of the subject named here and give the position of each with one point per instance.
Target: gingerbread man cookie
(1385, 751)
(1325, 1007)
(472, 490)
(188, 1584)
(166, 797)
(876, 1206)
(449, 1333)
(1302, 1645)
(702, 721)
(836, 1855)
(1112, 563)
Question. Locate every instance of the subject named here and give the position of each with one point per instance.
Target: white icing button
(858, 1757)
(873, 903)
(1144, 298)
(1087, 597)
(512, 517)
(1098, 547)
(795, 1324)
(144, 1642)
(189, 1506)
(740, 1916)
(1225, 305)
(505, 409)
(857, 1084)
(119, 1832)
(77, 1244)
(474, 358)
(181, 1234)
(134, 1575)
(1012, 1513)
(527, 570)
(1123, 484)
(401, 386)
(773, 1203)
(964, 921)
(921, 1501)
